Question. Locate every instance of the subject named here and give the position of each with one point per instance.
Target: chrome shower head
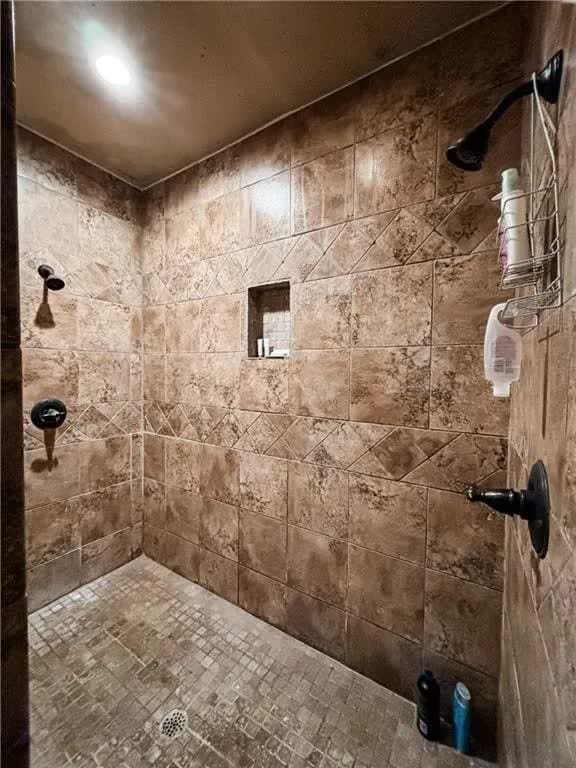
(469, 152)
(51, 280)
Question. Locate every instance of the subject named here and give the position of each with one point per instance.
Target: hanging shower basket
(538, 279)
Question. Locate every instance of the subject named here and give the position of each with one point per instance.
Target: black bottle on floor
(428, 706)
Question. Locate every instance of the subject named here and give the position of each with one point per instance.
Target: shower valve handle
(504, 500)
(531, 504)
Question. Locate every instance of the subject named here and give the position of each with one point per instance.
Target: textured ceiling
(204, 73)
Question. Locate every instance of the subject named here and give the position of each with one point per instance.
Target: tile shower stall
(321, 491)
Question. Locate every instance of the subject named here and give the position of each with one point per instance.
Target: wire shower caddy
(538, 279)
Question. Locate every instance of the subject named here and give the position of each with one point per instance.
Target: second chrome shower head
(51, 280)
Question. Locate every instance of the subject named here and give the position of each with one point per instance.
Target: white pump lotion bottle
(502, 354)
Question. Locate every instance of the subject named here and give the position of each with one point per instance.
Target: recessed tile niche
(269, 318)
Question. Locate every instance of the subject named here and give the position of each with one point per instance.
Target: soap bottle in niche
(428, 706)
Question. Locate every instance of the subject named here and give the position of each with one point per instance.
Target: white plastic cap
(510, 180)
(501, 388)
(463, 693)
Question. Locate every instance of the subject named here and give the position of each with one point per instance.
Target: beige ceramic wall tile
(181, 191)
(263, 545)
(183, 327)
(399, 93)
(219, 174)
(462, 621)
(219, 472)
(318, 499)
(344, 252)
(317, 565)
(388, 517)
(390, 386)
(107, 242)
(154, 329)
(51, 531)
(374, 583)
(183, 513)
(181, 556)
(103, 326)
(265, 210)
(48, 320)
(401, 450)
(103, 377)
(264, 485)
(106, 554)
(47, 164)
(348, 442)
(318, 624)
(463, 461)
(324, 127)
(464, 540)
(153, 379)
(48, 230)
(406, 295)
(183, 464)
(50, 580)
(219, 575)
(321, 314)
(319, 383)
(466, 66)
(472, 220)
(220, 378)
(155, 448)
(221, 324)
(465, 290)
(220, 225)
(391, 660)
(395, 168)
(303, 435)
(262, 597)
(103, 462)
(49, 373)
(219, 528)
(265, 154)
(87, 510)
(322, 191)
(397, 242)
(264, 385)
(464, 402)
(182, 239)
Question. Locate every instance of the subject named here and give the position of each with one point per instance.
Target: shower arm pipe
(524, 89)
(544, 84)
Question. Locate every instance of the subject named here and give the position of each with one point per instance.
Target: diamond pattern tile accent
(434, 458)
(89, 422)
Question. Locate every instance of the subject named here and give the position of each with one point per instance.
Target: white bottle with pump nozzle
(502, 354)
(514, 246)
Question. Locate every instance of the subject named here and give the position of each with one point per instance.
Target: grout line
(289, 524)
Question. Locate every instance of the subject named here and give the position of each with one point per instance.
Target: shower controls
(48, 414)
(531, 504)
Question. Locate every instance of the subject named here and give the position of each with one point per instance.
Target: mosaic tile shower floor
(110, 660)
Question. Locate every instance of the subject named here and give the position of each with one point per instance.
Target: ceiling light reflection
(113, 70)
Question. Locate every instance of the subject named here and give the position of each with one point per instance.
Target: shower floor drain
(173, 723)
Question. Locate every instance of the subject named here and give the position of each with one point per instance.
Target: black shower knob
(48, 414)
